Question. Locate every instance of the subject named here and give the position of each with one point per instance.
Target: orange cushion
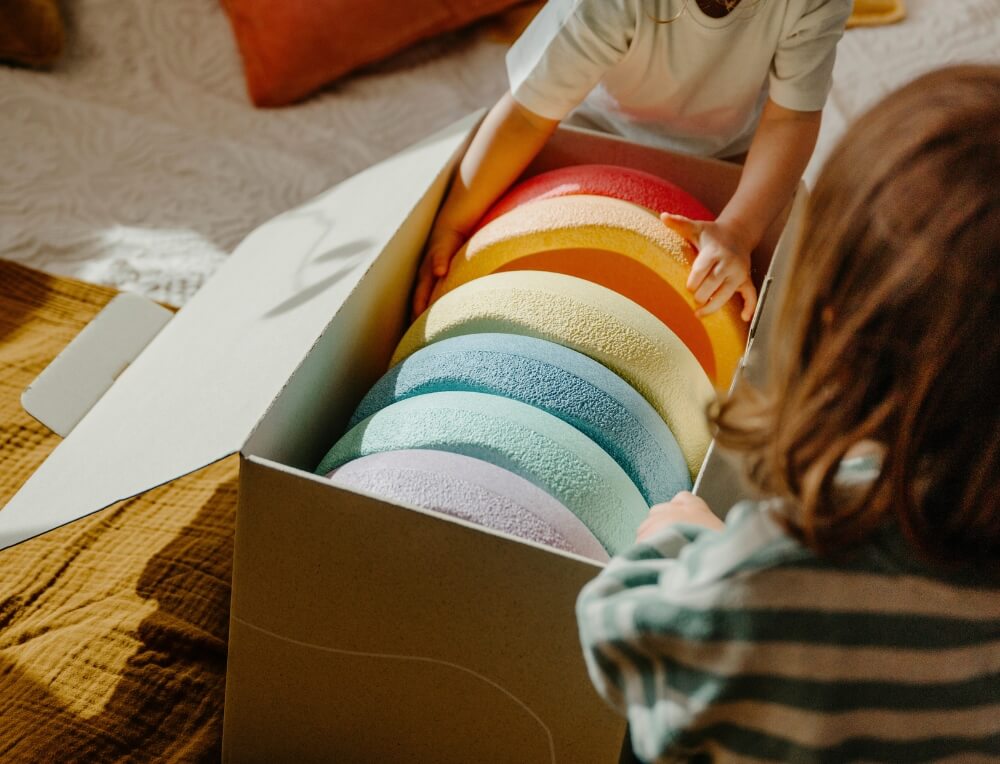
(31, 32)
(292, 48)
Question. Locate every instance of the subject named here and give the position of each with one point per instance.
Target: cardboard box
(361, 630)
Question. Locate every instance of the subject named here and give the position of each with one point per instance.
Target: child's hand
(722, 267)
(685, 507)
(442, 245)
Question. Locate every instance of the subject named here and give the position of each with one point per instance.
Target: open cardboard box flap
(195, 394)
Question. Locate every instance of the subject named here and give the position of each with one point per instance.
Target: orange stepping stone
(618, 245)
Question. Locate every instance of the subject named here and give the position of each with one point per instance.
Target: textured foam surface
(588, 318)
(618, 245)
(636, 186)
(542, 449)
(472, 490)
(555, 379)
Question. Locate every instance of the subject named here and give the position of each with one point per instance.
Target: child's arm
(663, 619)
(661, 540)
(506, 142)
(778, 156)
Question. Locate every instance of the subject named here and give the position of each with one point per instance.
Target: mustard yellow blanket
(112, 629)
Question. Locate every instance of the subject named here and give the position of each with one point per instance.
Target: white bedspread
(139, 162)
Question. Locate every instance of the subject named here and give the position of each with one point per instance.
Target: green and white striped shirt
(743, 645)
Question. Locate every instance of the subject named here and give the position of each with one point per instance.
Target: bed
(138, 164)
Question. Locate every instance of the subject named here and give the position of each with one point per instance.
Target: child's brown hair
(890, 331)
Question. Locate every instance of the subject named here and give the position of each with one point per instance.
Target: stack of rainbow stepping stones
(556, 387)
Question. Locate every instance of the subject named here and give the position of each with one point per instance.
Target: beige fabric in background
(139, 163)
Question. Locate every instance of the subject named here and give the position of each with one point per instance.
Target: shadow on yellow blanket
(113, 629)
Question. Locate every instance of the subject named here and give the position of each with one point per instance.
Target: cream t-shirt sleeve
(802, 68)
(566, 50)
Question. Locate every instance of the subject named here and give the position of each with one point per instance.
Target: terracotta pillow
(31, 32)
(293, 47)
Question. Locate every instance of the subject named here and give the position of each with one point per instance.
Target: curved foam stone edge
(546, 228)
(450, 483)
(537, 446)
(555, 379)
(628, 184)
(592, 320)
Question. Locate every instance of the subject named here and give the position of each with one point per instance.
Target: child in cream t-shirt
(668, 74)
(721, 78)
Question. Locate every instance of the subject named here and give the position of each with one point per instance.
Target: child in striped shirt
(855, 614)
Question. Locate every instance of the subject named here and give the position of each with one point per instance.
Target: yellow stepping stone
(592, 320)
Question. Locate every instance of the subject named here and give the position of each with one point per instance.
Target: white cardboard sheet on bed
(87, 368)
